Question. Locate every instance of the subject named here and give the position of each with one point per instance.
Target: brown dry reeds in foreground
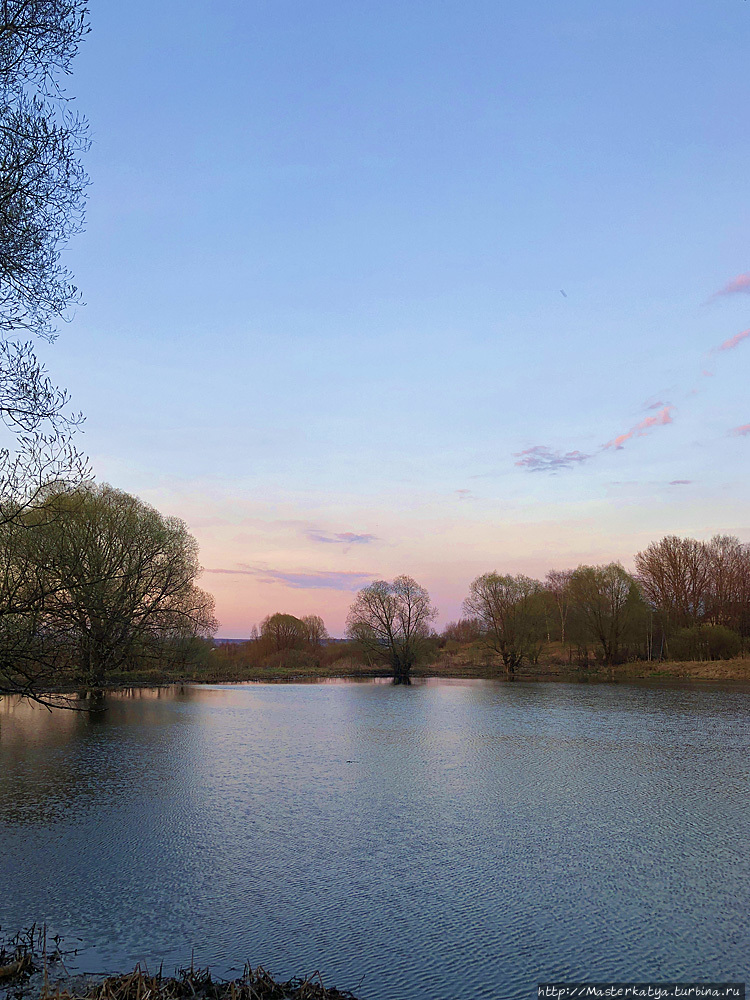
(30, 964)
(198, 984)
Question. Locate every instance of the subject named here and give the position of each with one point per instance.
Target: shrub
(705, 642)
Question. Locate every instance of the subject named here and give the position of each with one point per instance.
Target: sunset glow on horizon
(394, 288)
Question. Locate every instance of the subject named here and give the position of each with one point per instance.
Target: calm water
(463, 839)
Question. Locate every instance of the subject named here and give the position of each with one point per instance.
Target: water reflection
(470, 831)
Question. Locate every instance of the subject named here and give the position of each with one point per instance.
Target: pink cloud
(664, 416)
(740, 431)
(737, 285)
(543, 459)
(733, 341)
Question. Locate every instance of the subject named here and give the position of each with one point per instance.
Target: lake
(444, 840)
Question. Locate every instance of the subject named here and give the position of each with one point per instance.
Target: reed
(31, 964)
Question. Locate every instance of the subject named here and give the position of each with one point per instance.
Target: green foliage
(705, 642)
(99, 581)
(279, 632)
(511, 614)
(605, 608)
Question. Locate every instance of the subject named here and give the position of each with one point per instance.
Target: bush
(705, 642)
(336, 651)
(291, 659)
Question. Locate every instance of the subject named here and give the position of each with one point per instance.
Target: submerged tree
(511, 612)
(391, 622)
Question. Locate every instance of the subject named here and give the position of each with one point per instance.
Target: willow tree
(607, 607)
(118, 577)
(511, 613)
(391, 622)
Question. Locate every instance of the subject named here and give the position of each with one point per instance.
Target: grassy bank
(447, 666)
(467, 663)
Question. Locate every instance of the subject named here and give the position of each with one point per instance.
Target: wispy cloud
(664, 416)
(465, 494)
(340, 537)
(543, 459)
(680, 482)
(741, 431)
(654, 406)
(317, 580)
(733, 341)
(736, 286)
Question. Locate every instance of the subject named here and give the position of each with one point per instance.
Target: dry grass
(31, 967)
(198, 984)
(705, 670)
(473, 663)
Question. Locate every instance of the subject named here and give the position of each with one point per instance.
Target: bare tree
(315, 630)
(42, 187)
(464, 631)
(674, 575)
(729, 586)
(510, 610)
(391, 622)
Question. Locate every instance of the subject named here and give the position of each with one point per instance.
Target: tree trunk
(400, 671)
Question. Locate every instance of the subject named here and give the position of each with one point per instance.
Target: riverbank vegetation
(33, 968)
(99, 590)
(687, 606)
(94, 583)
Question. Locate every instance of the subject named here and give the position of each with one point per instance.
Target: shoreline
(696, 673)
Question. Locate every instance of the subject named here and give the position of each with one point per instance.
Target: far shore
(698, 672)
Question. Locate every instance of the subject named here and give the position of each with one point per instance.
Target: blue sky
(324, 264)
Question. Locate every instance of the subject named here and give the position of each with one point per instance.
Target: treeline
(94, 581)
(282, 642)
(688, 600)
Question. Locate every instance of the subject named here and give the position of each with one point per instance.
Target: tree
(464, 631)
(315, 631)
(42, 186)
(557, 585)
(606, 605)
(391, 622)
(30, 653)
(675, 577)
(705, 642)
(281, 632)
(118, 579)
(510, 610)
(728, 603)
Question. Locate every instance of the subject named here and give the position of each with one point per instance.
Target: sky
(433, 288)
